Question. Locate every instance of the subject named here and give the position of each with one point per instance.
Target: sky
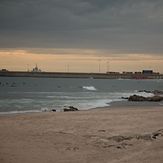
(81, 35)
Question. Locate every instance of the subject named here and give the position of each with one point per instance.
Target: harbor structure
(36, 72)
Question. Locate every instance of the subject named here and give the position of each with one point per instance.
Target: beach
(81, 81)
(109, 135)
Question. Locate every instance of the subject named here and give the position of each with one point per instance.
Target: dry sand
(131, 135)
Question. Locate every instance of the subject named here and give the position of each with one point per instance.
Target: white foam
(45, 109)
(89, 88)
(144, 94)
(20, 112)
(97, 103)
(93, 104)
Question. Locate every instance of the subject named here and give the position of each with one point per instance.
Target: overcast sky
(118, 25)
(99, 27)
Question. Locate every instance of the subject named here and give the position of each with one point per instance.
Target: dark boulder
(155, 98)
(70, 108)
(53, 110)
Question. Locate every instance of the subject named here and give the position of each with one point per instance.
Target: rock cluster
(141, 98)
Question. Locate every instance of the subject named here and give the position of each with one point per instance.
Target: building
(147, 72)
(4, 70)
(111, 72)
(127, 73)
(138, 73)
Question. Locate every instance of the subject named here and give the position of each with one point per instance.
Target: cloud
(127, 26)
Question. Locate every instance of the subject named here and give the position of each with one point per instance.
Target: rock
(125, 98)
(156, 92)
(145, 91)
(136, 98)
(155, 98)
(157, 134)
(53, 110)
(70, 108)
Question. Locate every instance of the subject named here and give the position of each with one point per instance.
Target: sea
(27, 94)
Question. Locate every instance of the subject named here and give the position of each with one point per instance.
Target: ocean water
(23, 94)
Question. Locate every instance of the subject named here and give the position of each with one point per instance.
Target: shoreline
(113, 105)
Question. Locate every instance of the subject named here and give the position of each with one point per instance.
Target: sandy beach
(115, 135)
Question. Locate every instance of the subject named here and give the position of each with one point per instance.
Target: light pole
(68, 68)
(99, 65)
(108, 66)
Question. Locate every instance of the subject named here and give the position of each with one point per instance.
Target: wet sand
(115, 135)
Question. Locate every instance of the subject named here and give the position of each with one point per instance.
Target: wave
(89, 88)
(83, 100)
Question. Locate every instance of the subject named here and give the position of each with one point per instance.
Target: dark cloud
(127, 26)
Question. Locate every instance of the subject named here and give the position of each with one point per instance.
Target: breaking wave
(89, 88)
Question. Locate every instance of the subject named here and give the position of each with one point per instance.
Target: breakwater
(79, 75)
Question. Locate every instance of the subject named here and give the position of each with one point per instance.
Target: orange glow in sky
(77, 60)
